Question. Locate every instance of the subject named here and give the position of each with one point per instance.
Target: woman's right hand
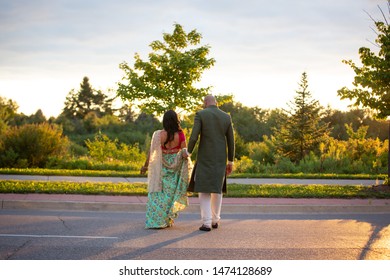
(185, 153)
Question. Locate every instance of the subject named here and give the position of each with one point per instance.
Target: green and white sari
(168, 179)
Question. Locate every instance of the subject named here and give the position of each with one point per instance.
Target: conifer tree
(86, 100)
(301, 129)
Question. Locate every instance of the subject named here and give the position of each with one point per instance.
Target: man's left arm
(231, 148)
(230, 142)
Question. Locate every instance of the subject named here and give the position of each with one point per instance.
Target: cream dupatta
(156, 161)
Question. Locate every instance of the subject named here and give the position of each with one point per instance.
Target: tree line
(304, 138)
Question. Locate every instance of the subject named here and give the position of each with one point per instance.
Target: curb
(193, 208)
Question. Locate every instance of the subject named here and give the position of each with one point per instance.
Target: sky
(261, 47)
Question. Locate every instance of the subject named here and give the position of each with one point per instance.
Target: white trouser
(210, 207)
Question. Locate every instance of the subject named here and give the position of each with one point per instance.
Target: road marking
(57, 236)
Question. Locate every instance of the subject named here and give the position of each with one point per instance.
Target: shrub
(284, 165)
(62, 163)
(77, 150)
(104, 149)
(310, 164)
(86, 163)
(31, 145)
(263, 152)
(245, 165)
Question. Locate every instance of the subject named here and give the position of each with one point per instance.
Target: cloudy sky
(261, 47)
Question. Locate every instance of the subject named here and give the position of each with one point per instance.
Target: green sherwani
(216, 146)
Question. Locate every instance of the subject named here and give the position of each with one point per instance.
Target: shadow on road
(139, 253)
(374, 237)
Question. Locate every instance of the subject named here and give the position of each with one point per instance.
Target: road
(79, 235)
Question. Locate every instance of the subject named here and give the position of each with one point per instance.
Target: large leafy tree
(167, 80)
(301, 129)
(372, 79)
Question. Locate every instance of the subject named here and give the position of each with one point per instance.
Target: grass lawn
(136, 173)
(234, 190)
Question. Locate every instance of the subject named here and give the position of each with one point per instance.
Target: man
(216, 146)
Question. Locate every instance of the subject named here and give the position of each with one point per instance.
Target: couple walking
(170, 170)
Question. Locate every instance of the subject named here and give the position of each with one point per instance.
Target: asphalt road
(68, 235)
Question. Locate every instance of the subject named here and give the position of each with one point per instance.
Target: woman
(169, 170)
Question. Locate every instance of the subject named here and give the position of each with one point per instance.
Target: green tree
(20, 119)
(147, 123)
(126, 113)
(38, 117)
(86, 100)
(356, 118)
(167, 80)
(372, 79)
(301, 129)
(249, 122)
(8, 109)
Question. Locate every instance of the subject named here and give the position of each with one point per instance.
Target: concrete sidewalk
(230, 205)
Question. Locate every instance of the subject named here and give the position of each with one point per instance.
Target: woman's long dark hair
(171, 125)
